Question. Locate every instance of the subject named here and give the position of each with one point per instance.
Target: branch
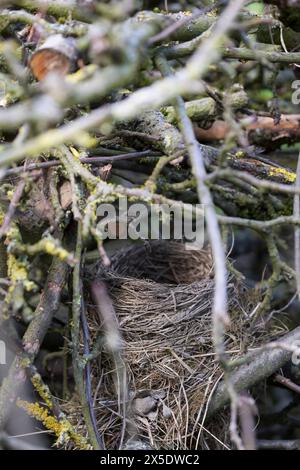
(33, 337)
(152, 97)
(95, 439)
(258, 366)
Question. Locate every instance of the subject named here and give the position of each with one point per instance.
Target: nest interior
(165, 369)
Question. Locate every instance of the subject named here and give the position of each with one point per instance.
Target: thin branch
(220, 314)
(75, 332)
(114, 342)
(257, 182)
(279, 444)
(259, 225)
(280, 379)
(99, 160)
(88, 382)
(18, 193)
(247, 412)
(220, 318)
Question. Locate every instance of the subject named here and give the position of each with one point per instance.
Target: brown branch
(280, 379)
(288, 125)
(99, 160)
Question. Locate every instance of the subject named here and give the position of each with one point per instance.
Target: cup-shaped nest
(165, 369)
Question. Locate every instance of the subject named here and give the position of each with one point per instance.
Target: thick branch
(33, 337)
(259, 365)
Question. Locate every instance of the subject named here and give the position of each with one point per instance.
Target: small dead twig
(99, 160)
(247, 412)
(15, 443)
(280, 379)
(220, 316)
(114, 343)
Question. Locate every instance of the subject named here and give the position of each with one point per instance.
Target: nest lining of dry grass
(162, 295)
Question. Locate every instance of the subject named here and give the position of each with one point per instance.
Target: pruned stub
(56, 55)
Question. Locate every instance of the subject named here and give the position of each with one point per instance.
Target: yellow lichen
(75, 153)
(240, 154)
(17, 273)
(213, 13)
(51, 248)
(84, 139)
(16, 269)
(81, 74)
(2, 215)
(42, 389)
(10, 194)
(185, 13)
(48, 245)
(62, 428)
(287, 175)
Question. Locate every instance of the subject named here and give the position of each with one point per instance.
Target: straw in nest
(162, 296)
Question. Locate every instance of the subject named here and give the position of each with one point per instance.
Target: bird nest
(164, 368)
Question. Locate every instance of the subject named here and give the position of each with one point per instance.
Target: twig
(172, 28)
(220, 318)
(14, 443)
(114, 343)
(253, 180)
(88, 383)
(23, 16)
(60, 8)
(137, 135)
(279, 445)
(247, 412)
(75, 333)
(162, 162)
(270, 56)
(259, 225)
(99, 160)
(287, 383)
(240, 53)
(288, 126)
(17, 195)
(220, 314)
